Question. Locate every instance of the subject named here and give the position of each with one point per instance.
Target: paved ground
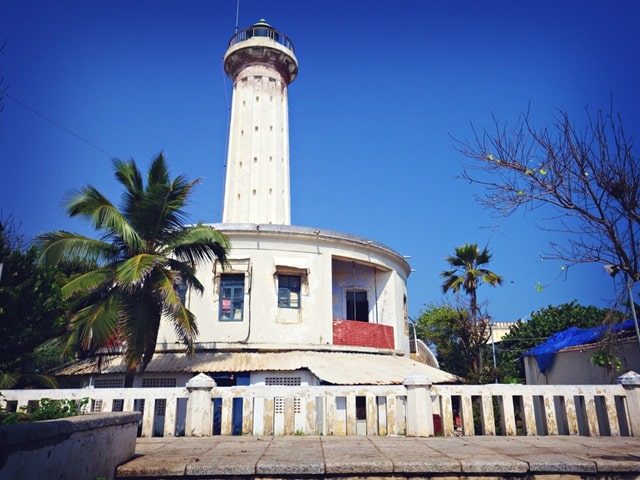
(384, 457)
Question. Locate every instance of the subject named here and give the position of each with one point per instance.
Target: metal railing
(262, 32)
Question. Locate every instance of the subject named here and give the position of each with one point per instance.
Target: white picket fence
(596, 410)
(416, 408)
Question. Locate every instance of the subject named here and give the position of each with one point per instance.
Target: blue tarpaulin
(571, 337)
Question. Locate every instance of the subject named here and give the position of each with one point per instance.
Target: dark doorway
(357, 305)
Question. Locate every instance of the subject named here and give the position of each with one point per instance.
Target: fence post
(199, 421)
(631, 383)
(419, 410)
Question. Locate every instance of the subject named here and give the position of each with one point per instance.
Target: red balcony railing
(362, 334)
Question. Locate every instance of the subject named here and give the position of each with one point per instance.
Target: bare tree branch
(589, 176)
(3, 86)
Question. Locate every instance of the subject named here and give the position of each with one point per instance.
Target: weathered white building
(295, 305)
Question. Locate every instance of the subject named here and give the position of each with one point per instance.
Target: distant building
(499, 330)
(296, 305)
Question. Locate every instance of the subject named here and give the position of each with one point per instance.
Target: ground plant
(44, 409)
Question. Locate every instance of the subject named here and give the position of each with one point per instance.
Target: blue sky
(383, 88)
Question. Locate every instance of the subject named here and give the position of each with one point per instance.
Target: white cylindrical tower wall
(261, 63)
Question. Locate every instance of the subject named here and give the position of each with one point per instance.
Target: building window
(180, 287)
(158, 382)
(231, 297)
(288, 291)
(283, 381)
(357, 305)
(108, 383)
(287, 382)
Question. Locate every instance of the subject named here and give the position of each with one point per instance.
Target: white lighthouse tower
(261, 63)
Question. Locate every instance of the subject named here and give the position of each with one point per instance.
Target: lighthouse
(261, 63)
(292, 305)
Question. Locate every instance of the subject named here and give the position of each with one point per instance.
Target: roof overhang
(338, 368)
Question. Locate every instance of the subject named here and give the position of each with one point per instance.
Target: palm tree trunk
(128, 379)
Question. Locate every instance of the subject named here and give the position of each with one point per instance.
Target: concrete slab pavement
(309, 457)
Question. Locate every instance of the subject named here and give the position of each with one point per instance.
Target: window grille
(278, 404)
(161, 407)
(283, 381)
(108, 383)
(158, 382)
(96, 406)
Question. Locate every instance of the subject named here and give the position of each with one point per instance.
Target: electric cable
(58, 125)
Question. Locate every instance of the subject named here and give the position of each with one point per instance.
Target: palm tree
(465, 274)
(144, 250)
(467, 271)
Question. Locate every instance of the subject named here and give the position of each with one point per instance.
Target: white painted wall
(326, 258)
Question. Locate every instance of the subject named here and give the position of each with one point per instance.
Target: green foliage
(45, 409)
(466, 331)
(143, 252)
(467, 273)
(456, 338)
(605, 359)
(524, 335)
(31, 313)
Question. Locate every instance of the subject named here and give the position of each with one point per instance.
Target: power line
(53, 122)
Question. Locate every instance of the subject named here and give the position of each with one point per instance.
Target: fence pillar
(419, 410)
(199, 421)
(631, 383)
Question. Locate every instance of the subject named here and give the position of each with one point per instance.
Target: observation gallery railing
(416, 408)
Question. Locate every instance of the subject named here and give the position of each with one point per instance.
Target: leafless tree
(588, 175)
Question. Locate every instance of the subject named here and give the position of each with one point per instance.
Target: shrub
(44, 409)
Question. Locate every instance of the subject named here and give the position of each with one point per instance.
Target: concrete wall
(573, 366)
(84, 447)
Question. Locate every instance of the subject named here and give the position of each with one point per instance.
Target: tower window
(357, 305)
(231, 297)
(288, 291)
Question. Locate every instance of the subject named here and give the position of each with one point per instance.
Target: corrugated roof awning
(339, 368)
